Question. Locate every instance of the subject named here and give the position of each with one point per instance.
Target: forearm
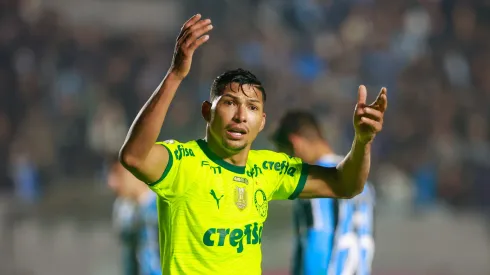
(146, 127)
(353, 171)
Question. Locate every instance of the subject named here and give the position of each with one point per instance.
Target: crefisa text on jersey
(250, 234)
(281, 167)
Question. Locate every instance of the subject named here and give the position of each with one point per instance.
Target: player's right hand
(368, 119)
(192, 35)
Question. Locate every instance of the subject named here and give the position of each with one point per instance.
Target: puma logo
(215, 197)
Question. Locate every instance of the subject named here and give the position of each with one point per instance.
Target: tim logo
(216, 169)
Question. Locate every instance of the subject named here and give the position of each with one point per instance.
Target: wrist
(174, 76)
(363, 141)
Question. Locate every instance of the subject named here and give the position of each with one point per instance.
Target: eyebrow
(237, 98)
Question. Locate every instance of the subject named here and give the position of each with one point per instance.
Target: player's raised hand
(192, 35)
(368, 119)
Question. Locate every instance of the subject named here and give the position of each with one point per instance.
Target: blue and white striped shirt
(138, 228)
(334, 236)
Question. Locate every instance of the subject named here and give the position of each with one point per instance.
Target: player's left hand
(368, 119)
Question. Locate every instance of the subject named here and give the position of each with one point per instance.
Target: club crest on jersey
(240, 197)
(260, 201)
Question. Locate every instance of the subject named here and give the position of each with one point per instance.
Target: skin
(237, 109)
(242, 109)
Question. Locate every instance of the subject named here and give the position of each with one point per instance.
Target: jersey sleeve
(168, 185)
(288, 174)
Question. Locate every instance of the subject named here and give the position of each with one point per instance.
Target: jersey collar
(212, 156)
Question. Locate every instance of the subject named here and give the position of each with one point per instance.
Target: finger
(191, 29)
(362, 94)
(191, 21)
(373, 113)
(197, 31)
(373, 124)
(381, 102)
(201, 40)
(199, 24)
(382, 91)
(188, 24)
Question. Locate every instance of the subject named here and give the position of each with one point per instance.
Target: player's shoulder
(275, 163)
(174, 142)
(181, 149)
(268, 155)
(330, 160)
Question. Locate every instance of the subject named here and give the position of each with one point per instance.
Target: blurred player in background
(136, 221)
(332, 236)
(214, 192)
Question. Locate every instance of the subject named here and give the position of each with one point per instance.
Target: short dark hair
(240, 76)
(298, 122)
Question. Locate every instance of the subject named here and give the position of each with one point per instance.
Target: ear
(262, 125)
(206, 110)
(295, 141)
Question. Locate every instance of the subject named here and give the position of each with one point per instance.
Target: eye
(254, 108)
(229, 102)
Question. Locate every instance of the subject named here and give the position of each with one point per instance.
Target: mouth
(236, 132)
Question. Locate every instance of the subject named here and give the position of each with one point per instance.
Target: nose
(240, 114)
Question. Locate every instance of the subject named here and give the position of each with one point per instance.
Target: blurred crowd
(68, 93)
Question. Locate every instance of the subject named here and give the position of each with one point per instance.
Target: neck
(238, 158)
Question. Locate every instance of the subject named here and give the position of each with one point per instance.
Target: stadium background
(73, 74)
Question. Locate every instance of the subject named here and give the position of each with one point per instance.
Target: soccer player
(332, 236)
(136, 220)
(213, 193)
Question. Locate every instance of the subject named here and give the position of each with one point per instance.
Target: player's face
(237, 116)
